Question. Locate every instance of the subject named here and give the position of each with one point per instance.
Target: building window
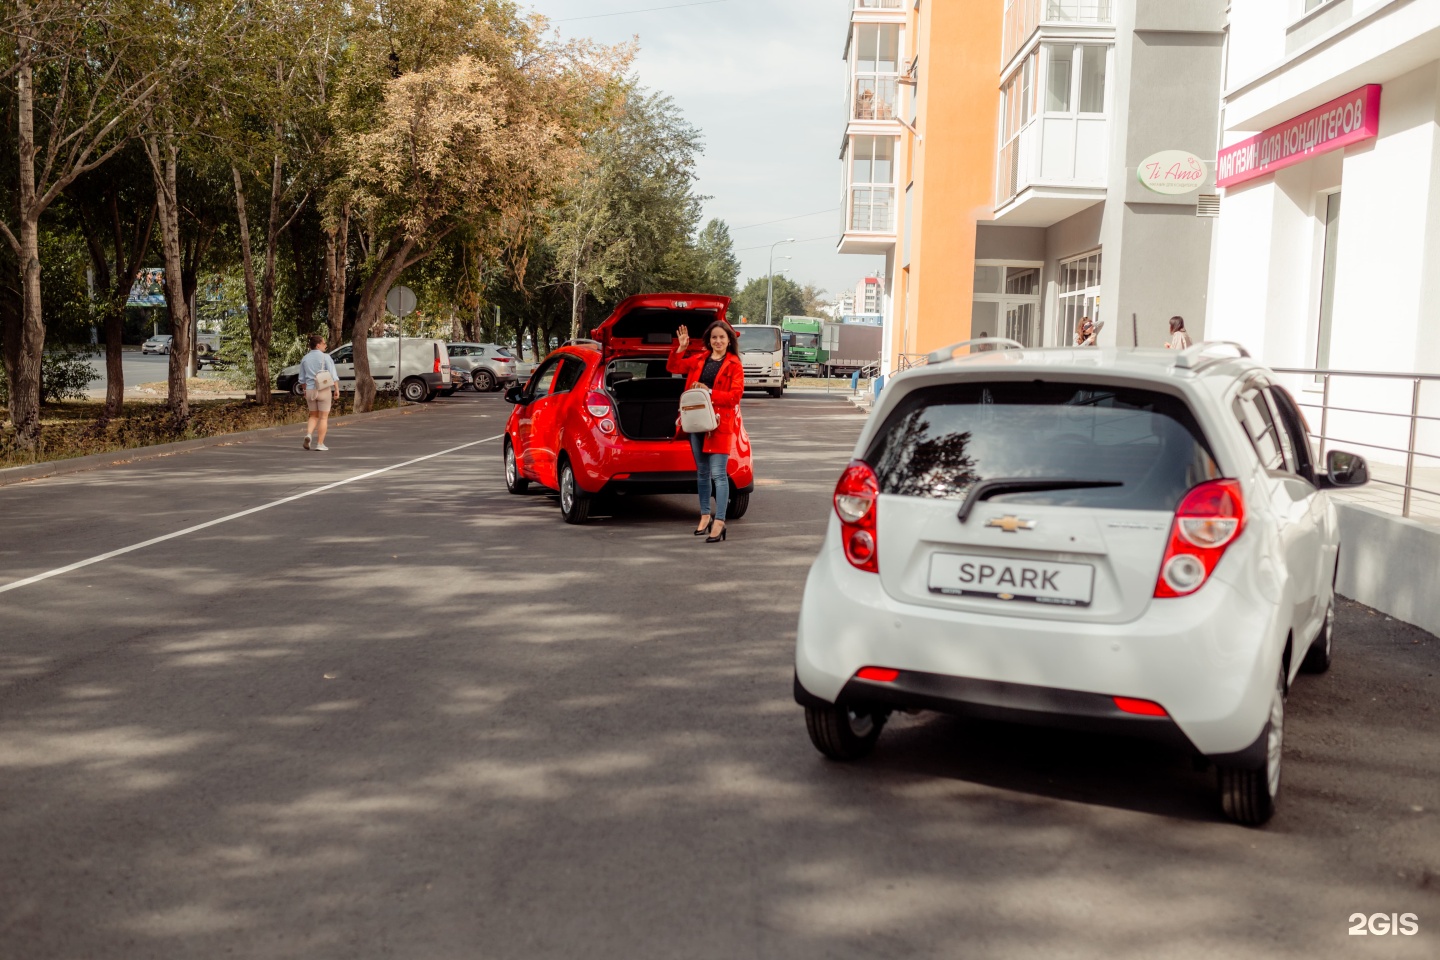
(1017, 109)
(1092, 78)
(877, 71)
(1078, 291)
(872, 183)
(1057, 90)
(1072, 67)
(1006, 301)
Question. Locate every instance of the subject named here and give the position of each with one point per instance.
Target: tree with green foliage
(627, 217)
(715, 255)
(453, 113)
(788, 300)
(114, 208)
(70, 103)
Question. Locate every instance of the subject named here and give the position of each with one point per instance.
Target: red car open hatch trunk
(646, 324)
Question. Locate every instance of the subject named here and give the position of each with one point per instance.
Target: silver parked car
(487, 366)
(157, 344)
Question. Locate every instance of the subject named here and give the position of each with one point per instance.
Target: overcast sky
(764, 81)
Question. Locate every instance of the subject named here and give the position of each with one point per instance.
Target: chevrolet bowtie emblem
(1011, 524)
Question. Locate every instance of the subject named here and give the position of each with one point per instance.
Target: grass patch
(75, 428)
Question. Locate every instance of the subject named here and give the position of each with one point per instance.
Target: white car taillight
(854, 500)
(1209, 518)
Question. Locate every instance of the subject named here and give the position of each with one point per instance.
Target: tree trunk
(114, 359)
(163, 152)
(337, 249)
(262, 334)
(25, 352)
(115, 278)
(372, 307)
(252, 305)
(574, 301)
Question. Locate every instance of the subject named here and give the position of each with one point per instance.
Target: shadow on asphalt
(439, 722)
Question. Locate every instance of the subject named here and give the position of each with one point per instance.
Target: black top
(710, 371)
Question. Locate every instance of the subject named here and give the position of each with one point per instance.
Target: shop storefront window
(1078, 287)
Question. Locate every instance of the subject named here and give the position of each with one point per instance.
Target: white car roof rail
(946, 354)
(1202, 353)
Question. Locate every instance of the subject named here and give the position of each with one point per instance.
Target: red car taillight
(598, 405)
(854, 500)
(1207, 521)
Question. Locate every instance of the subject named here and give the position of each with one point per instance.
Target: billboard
(148, 290)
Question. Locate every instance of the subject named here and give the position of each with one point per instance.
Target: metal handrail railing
(1413, 415)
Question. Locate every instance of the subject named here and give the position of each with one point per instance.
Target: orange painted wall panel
(952, 169)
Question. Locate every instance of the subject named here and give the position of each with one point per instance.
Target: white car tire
(841, 733)
(1248, 791)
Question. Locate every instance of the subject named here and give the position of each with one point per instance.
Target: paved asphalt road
(138, 368)
(413, 716)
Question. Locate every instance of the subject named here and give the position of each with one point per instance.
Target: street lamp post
(770, 277)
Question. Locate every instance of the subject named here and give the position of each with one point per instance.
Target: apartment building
(1057, 155)
(917, 156)
(870, 295)
(1104, 191)
(1327, 250)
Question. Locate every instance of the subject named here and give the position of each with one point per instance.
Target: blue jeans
(710, 468)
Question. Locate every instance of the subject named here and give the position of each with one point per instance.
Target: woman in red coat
(718, 369)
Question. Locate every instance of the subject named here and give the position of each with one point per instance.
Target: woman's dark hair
(315, 340)
(1177, 323)
(734, 346)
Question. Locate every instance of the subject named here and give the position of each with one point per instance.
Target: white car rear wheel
(1248, 791)
(843, 733)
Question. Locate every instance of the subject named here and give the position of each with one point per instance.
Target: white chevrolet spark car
(1132, 541)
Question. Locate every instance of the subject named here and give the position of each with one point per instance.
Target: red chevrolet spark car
(598, 416)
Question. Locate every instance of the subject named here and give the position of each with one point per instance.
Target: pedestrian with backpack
(322, 386)
(715, 379)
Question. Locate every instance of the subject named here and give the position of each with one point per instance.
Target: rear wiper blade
(986, 489)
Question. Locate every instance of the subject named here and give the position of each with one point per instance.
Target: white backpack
(697, 413)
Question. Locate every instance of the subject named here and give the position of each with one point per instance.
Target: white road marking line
(16, 584)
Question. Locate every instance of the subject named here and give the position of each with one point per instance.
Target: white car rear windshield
(1124, 448)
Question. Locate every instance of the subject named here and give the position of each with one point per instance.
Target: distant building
(870, 296)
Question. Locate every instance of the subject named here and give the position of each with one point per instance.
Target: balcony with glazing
(1054, 134)
(1024, 18)
(873, 92)
(868, 204)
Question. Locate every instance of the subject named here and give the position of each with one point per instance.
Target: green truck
(806, 356)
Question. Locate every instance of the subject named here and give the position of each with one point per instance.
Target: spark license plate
(1005, 578)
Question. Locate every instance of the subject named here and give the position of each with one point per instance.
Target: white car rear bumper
(1210, 659)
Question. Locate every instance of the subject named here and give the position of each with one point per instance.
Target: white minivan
(426, 368)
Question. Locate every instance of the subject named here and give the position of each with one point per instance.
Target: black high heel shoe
(705, 530)
(723, 530)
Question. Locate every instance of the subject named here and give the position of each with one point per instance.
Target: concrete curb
(1389, 563)
(95, 461)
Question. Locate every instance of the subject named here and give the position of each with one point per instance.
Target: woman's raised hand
(682, 337)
